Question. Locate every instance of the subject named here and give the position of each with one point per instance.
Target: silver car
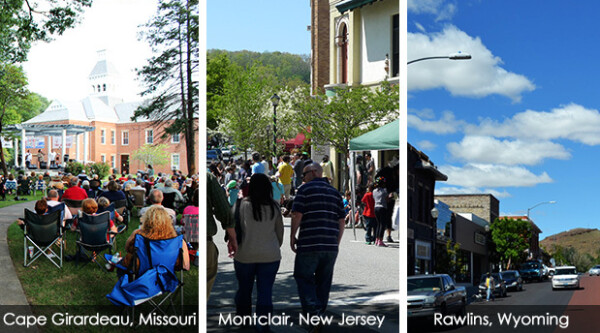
(595, 270)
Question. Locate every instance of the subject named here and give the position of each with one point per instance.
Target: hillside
(581, 239)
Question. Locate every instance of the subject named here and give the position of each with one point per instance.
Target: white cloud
(426, 145)
(572, 122)
(489, 175)
(442, 10)
(447, 124)
(479, 77)
(471, 190)
(488, 150)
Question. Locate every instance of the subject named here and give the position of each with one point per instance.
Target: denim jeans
(264, 273)
(313, 272)
(370, 224)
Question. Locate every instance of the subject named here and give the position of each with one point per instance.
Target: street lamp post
(453, 56)
(541, 203)
(275, 100)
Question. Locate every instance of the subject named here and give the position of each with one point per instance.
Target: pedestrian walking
(490, 285)
(318, 214)
(380, 195)
(369, 215)
(259, 253)
(217, 205)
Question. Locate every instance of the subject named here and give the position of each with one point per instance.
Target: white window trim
(113, 137)
(103, 137)
(178, 160)
(103, 158)
(123, 138)
(113, 161)
(178, 136)
(146, 134)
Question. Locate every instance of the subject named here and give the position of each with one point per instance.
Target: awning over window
(386, 137)
(352, 4)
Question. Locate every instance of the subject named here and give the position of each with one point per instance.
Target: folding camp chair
(39, 185)
(190, 227)
(41, 232)
(139, 198)
(169, 200)
(94, 230)
(73, 205)
(24, 187)
(10, 185)
(154, 281)
(121, 208)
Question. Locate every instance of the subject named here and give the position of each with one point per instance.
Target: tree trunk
(190, 140)
(2, 158)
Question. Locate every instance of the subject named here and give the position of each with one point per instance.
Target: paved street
(365, 281)
(537, 299)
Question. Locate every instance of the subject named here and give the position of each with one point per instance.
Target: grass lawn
(79, 288)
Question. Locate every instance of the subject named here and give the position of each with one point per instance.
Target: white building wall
(376, 39)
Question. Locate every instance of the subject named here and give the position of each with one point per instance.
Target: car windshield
(529, 265)
(509, 275)
(565, 271)
(425, 284)
(597, 266)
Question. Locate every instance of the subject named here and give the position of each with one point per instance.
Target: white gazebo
(62, 130)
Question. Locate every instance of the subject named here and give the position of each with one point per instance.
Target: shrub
(74, 168)
(100, 169)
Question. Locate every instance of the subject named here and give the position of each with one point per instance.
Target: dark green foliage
(511, 238)
(25, 21)
(171, 75)
(74, 167)
(100, 169)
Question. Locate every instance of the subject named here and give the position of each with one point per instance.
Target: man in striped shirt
(319, 214)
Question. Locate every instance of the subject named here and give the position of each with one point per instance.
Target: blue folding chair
(94, 230)
(154, 281)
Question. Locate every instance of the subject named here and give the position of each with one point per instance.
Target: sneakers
(369, 243)
(380, 243)
(389, 239)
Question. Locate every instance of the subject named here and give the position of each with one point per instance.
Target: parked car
(512, 280)
(565, 277)
(532, 270)
(594, 270)
(551, 271)
(499, 288)
(428, 294)
(212, 156)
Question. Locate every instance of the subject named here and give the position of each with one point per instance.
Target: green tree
(348, 114)
(448, 259)
(25, 21)
(152, 154)
(511, 238)
(171, 76)
(217, 69)
(13, 90)
(245, 105)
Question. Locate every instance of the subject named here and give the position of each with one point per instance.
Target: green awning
(386, 137)
(352, 4)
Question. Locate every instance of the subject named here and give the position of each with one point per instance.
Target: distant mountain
(581, 239)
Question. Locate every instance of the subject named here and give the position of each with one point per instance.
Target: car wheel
(443, 309)
(462, 311)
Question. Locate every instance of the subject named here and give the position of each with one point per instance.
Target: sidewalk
(11, 291)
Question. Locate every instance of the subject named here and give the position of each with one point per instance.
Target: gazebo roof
(48, 129)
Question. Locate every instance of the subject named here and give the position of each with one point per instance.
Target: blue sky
(520, 120)
(263, 25)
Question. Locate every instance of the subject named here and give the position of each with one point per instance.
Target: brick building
(421, 227)
(485, 206)
(114, 136)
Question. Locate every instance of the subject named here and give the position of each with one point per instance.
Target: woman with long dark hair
(258, 254)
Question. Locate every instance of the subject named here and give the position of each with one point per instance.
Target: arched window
(98, 88)
(342, 44)
(104, 87)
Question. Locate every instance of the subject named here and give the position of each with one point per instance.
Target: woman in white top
(258, 254)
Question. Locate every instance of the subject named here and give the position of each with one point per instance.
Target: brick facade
(319, 44)
(485, 206)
